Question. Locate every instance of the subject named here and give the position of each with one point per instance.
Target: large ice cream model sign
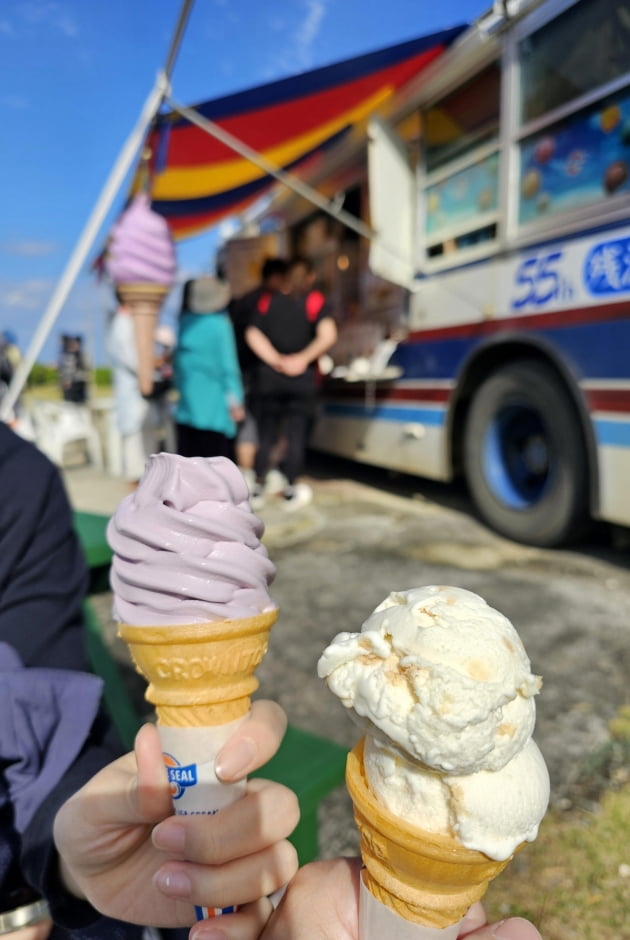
(140, 260)
(190, 579)
(447, 783)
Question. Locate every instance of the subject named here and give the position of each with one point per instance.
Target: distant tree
(42, 375)
(102, 376)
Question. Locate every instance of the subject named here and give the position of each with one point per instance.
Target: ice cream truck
(485, 316)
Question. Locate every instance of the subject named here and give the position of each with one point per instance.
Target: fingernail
(515, 928)
(207, 933)
(470, 922)
(174, 883)
(236, 760)
(169, 838)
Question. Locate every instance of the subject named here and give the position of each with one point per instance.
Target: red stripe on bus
(532, 321)
(608, 399)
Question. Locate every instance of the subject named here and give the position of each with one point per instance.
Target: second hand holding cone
(190, 579)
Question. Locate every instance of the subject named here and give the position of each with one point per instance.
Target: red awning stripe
(197, 180)
(329, 76)
(189, 216)
(187, 145)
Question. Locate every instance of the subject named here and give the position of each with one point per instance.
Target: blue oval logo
(607, 267)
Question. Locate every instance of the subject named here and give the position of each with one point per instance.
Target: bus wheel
(525, 457)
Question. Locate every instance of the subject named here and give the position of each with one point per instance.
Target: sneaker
(275, 483)
(297, 496)
(256, 497)
(249, 477)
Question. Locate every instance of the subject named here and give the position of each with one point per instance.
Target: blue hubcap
(516, 456)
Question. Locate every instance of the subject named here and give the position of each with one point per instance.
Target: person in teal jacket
(207, 374)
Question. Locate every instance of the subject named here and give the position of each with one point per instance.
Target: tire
(525, 456)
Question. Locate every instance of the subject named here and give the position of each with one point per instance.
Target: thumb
(515, 928)
(150, 790)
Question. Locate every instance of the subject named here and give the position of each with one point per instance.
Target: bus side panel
(613, 450)
(409, 438)
(572, 297)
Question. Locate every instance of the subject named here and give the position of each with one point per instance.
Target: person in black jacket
(272, 279)
(288, 332)
(73, 372)
(43, 574)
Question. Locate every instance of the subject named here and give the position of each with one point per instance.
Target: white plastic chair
(58, 424)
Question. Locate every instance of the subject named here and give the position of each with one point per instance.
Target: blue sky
(73, 77)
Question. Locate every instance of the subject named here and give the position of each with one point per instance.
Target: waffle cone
(425, 877)
(200, 674)
(143, 302)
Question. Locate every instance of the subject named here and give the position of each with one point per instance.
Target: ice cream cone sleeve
(144, 302)
(200, 674)
(425, 877)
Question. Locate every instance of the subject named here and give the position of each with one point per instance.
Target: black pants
(197, 442)
(291, 414)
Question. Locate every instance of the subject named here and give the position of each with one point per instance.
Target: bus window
(579, 51)
(460, 138)
(449, 245)
(463, 120)
(580, 156)
(461, 206)
(577, 162)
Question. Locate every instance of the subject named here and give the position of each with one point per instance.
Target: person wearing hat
(207, 374)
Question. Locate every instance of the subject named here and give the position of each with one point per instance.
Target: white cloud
(50, 14)
(15, 102)
(309, 29)
(227, 228)
(68, 27)
(28, 249)
(297, 55)
(24, 295)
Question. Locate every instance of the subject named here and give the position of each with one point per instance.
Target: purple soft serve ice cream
(187, 546)
(141, 248)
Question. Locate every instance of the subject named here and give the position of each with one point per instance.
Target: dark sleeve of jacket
(43, 575)
(75, 919)
(39, 856)
(242, 312)
(43, 579)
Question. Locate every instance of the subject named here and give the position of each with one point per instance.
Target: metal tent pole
(287, 179)
(91, 229)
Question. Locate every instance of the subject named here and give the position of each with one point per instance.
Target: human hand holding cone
(447, 784)
(187, 548)
(201, 677)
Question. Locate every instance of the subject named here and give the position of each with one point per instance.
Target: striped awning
(197, 180)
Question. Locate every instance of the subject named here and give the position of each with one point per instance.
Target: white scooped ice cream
(442, 686)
